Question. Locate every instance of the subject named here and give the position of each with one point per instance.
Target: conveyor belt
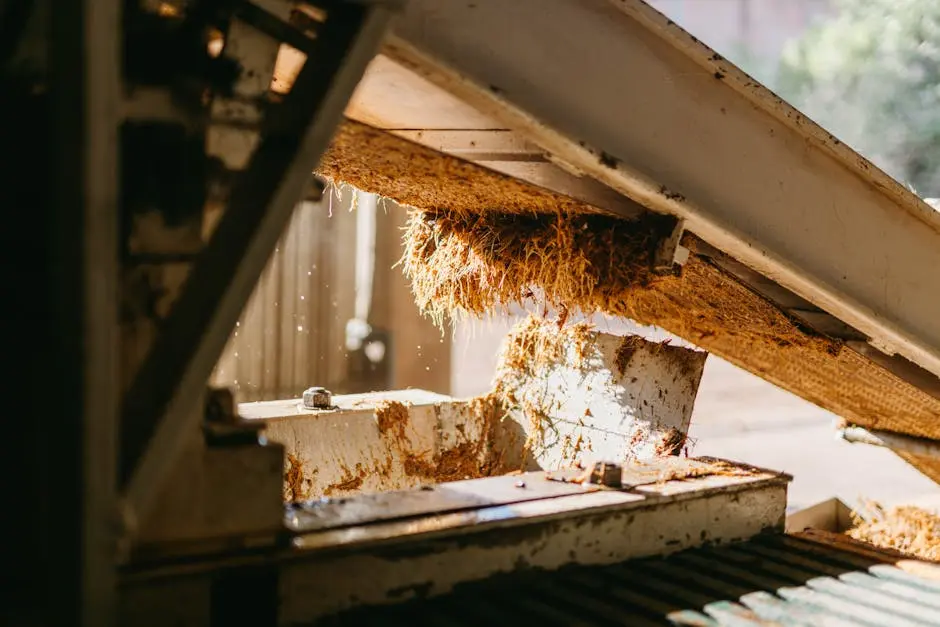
(772, 580)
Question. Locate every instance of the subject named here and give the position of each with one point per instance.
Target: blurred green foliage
(871, 76)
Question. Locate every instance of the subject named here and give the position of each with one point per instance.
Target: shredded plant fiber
(908, 530)
(470, 264)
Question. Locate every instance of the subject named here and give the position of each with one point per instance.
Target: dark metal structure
(109, 107)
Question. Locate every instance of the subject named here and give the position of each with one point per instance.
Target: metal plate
(440, 499)
(662, 470)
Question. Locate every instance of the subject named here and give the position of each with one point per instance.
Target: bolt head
(318, 398)
(607, 474)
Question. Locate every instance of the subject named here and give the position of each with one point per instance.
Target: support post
(79, 487)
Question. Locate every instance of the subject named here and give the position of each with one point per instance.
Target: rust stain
(471, 458)
(350, 481)
(392, 417)
(297, 484)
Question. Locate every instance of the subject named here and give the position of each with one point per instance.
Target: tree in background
(871, 76)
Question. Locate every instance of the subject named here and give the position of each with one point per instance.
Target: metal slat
(778, 581)
(760, 581)
(861, 580)
(748, 561)
(896, 574)
(690, 618)
(873, 598)
(831, 603)
(798, 559)
(593, 582)
(773, 608)
(734, 615)
(830, 555)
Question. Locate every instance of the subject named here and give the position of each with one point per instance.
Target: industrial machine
(181, 134)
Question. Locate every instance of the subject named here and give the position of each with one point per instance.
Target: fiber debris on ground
(705, 305)
(909, 530)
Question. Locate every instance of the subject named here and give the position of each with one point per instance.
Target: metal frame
(666, 121)
(85, 52)
(157, 412)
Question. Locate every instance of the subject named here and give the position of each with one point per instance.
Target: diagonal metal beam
(158, 410)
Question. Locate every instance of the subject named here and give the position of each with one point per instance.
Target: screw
(606, 474)
(318, 398)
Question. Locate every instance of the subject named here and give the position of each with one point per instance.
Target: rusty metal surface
(664, 475)
(386, 562)
(770, 580)
(390, 561)
(664, 479)
(441, 499)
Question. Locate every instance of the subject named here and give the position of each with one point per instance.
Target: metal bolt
(606, 474)
(318, 398)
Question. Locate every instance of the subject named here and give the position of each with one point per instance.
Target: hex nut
(607, 474)
(318, 398)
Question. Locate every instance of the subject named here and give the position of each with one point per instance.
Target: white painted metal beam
(345, 450)
(606, 398)
(617, 91)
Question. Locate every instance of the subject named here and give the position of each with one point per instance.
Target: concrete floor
(740, 417)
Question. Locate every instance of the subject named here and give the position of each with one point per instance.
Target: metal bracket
(896, 442)
(669, 252)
